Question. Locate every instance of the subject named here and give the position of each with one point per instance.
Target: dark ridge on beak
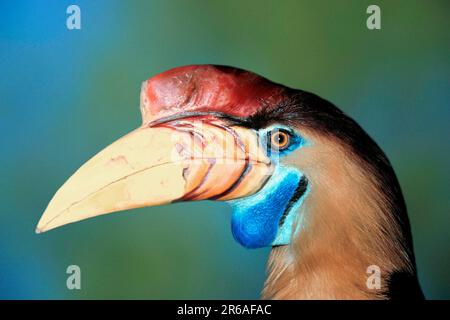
(234, 120)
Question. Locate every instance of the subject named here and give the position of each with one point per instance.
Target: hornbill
(300, 175)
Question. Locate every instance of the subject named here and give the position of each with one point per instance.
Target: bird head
(206, 134)
(285, 160)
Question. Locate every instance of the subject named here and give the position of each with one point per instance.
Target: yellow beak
(159, 165)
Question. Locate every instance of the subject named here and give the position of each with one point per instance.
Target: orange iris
(279, 140)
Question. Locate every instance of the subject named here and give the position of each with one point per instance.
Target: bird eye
(280, 140)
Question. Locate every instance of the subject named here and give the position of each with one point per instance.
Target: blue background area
(66, 94)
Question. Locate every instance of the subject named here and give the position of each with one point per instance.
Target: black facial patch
(299, 192)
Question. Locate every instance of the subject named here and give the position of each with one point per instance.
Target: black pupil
(280, 138)
(277, 140)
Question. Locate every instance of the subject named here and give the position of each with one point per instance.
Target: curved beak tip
(40, 228)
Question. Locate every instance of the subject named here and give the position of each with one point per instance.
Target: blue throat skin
(266, 218)
(256, 219)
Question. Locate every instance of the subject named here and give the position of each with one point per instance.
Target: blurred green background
(64, 95)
